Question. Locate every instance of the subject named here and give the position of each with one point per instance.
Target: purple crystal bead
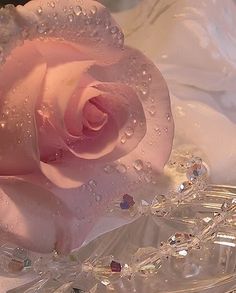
(115, 267)
(127, 202)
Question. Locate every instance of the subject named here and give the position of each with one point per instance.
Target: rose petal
(142, 75)
(94, 118)
(155, 146)
(18, 144)
(32, 217)
(86, 25)
(62, 83)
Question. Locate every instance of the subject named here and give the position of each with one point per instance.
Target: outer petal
(87, 25)
(20, 84)
(32, 217)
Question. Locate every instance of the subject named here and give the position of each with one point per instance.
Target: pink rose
(83, 120)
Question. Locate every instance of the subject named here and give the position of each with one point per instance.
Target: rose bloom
(83, 119)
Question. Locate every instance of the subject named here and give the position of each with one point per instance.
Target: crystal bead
(196, 169)
(143, 207)
(184, 186)
(146, 260)
(77, 290)
(14, 260)
(20, 253)
(127, 271)
(151, 268)
(180, 244)
(115, 267)
(127, 202)
(159, 206)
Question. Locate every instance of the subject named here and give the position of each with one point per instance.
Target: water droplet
(52, 4)
(123, 139)
(138, 165)
(107, 24)
(71, 17)
(77, 10)
(129, 131)
(152, 110)
(135, 121)
(121, 168)
(42, 28)
(92, 183)
(108, 169)
(144, 72)
(144, 89)
(98, 197)
(2, 124)
(186, 185)
(144, 69)
(39, 10)
(93, 10)
(114, 29)
(149, 165)
(149, 77)
(158, 131)
(166, 129)
(168, 117)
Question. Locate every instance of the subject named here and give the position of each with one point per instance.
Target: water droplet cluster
(75, 22)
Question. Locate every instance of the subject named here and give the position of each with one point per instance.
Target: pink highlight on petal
(94, 118)
(21, 79)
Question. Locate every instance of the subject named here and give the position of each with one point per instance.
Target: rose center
(93, 117)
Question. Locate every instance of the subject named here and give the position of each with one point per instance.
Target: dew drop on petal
(52, 4)
(129, 131)
(70, 17)
(108, 169)
(98, 197)
(114, 29)
(92, 183)
(138, 165)
(93, 10)
(158, 131)
(152, 110)
(121, 168)
(144, 90)
(149, 77)
(77, 10)
(2, 124)
(144, 69)
(42, 28)
(123, 139)
(39, 10)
